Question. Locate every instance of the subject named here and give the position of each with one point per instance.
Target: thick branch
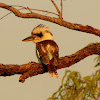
(79, 55)
(58, 21)
(33, 68)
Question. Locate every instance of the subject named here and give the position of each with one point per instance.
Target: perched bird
(47, 50)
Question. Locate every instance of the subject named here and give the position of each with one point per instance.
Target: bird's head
(39, 33)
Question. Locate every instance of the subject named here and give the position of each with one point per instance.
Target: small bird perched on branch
(47, 50)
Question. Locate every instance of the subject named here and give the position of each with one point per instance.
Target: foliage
(98, 61)
(74, 87)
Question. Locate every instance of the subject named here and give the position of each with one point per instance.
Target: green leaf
(98, 64)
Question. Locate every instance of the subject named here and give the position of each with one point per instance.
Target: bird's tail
(52, 69)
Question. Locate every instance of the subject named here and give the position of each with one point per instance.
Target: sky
(13, 51)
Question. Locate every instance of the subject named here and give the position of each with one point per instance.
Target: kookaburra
(47, 50)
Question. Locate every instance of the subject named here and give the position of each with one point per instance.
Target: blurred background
(13, 51)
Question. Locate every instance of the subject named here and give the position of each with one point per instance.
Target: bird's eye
(39, 34)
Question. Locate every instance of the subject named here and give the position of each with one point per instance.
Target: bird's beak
(30, 38)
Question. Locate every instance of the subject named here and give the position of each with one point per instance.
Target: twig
(35, 9)
(61, 9)
(10, 13)
(5, 15)
(56, 7)
(45, 11)
(29, 9)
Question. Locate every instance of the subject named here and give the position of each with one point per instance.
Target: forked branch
(61, 22)
(56, 7)
(59, 12)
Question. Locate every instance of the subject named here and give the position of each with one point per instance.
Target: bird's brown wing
(46, 50)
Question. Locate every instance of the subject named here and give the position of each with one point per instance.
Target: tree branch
(32, 68)
(61, 22)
